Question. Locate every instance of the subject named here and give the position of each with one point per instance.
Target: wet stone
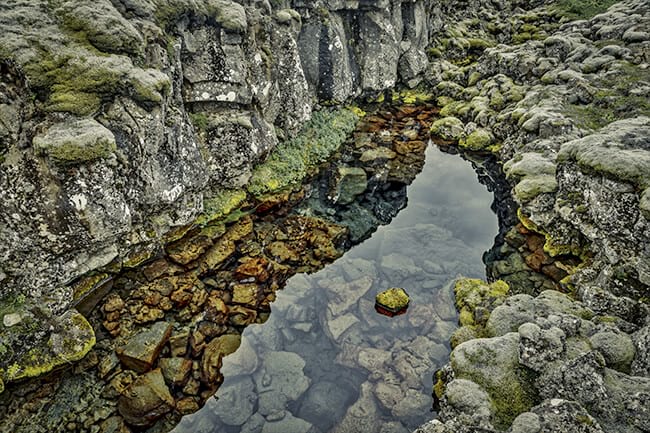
(393, 300)
(145, 400)
(140, 352)
(247, 294)
(213, 354)
(176, 370)
(347, 184)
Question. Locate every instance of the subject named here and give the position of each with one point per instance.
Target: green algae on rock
(291, 161)
(393, 300)
(71, 341)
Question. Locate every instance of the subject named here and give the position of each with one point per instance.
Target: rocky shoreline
(566, 112)
(558, 94)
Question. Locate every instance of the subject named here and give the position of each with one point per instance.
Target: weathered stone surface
(213, 354)
(141, 351)
(76, 142)
(176, 370)
(145, 400)
(349, 182)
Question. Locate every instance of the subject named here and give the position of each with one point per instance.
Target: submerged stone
(145, 400)
(141, 351)
(392, 301)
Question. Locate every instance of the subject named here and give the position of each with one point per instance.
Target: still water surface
(325, 361)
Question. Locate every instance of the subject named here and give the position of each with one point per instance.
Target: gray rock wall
(118, 118)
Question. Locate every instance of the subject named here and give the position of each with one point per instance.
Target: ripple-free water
(325, 361)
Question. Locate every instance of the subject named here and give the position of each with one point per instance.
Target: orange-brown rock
(145, 400)
(141, 351)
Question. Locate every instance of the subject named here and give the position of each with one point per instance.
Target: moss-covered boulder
(71, 339)
(76, 141)
(475, 299)
(479, 139)
(448, 128)
(394, 299)
(493, 364)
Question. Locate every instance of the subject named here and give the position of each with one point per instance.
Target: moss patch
(581, 9)
(291, 161)
(221, 205)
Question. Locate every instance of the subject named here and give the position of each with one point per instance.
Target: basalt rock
(123, 122)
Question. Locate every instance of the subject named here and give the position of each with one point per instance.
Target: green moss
(221, 205)
(199, 120)
(394, 299)
(79, 103)
(473, 293)
(87, 284)
(479, 139)
(74, 84)
(455, 108)
(581, 9)
(291, 161)
(78, 340)
(512, 398)
(137, 257)
(440, 386)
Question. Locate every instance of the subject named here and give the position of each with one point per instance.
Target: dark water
(325, 361)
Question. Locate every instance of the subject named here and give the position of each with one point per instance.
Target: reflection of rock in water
(381, 367)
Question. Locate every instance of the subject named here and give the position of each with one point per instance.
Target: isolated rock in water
(145, 400)
(394, 300)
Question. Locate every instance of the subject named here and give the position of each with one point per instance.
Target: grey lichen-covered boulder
(76, 141)
(493, 364)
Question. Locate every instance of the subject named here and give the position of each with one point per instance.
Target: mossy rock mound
(71, 339)
(493, 364)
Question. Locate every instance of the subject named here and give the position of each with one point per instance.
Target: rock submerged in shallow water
(142, 350)
(145, 400)
(392, 301)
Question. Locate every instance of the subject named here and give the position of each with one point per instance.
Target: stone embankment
(565, 107)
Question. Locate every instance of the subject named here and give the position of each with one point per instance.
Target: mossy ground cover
(582, 9)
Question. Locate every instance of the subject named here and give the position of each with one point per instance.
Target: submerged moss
(291, 161)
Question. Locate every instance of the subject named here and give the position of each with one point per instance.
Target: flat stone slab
(142, 350)
(145, 400)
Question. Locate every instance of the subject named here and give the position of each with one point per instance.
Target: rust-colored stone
(142, 350)
(145, 400)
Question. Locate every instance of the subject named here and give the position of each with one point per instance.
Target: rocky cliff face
(119, 118)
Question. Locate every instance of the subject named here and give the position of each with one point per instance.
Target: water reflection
(326, 361)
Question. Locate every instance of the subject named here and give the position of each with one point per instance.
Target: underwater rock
(145, 400)
(141, 351)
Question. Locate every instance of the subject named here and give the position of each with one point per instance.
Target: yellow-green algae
(87, 284)
(220, 205)
(78, 338)
(472, 293)
(291, 161)
(551, 247)
(393, 299)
